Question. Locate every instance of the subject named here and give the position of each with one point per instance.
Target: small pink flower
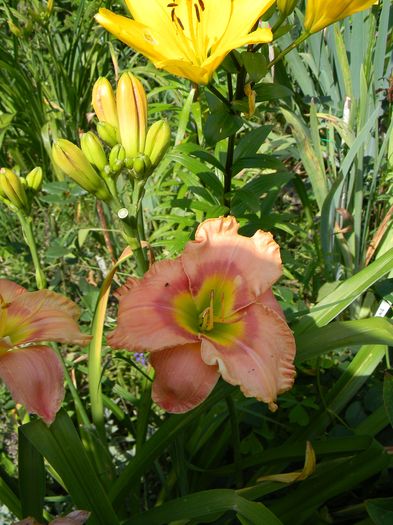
(210, 312)
(33, 373)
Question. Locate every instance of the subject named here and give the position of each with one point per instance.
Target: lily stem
(30, 241)
(285, 51)
(219, 95)
(228, 171)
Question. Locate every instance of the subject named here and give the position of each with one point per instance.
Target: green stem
(294, 44)
(228, 171)
(30, 241)
(219, 95)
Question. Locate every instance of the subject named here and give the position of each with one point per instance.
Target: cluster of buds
(123, 126)
(18, 192)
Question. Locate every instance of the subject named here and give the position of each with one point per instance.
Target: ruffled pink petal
(182, 379)
(261, 360)
(148, 312)
(9, 290)
(44, 316)
(268, 299)
(253, 264)
(34, 376)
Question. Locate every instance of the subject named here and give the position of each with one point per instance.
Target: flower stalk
(29, 238)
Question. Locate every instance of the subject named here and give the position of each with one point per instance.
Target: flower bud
(104, 103)
(157, 141)
(132, 113)
(73, 162)
(142, 166)
(117, 157)
(92, 148)
(108, 133)
(34, 179)
(286, 7)
(12, 189)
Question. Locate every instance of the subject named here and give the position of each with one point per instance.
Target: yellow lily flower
(322, 13)
(189, 38)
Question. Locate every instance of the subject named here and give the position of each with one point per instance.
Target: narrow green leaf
(334, 303)
(61, 447)
(318, 340)
(31, 478)
(205, 504)
(9, 498)
(308, 156)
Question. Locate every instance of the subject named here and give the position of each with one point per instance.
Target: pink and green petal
(261, 361)
(182, 380)
(253, 264)
(156, 311)
(9, 291)
(34, 377)
(43, 316)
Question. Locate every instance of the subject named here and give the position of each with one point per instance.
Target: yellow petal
(321, 13)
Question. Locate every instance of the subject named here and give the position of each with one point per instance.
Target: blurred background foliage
(314, 165)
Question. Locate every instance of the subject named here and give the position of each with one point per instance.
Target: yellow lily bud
(286, 7)
(322, 13)
(116, 158)
(34, 179)
(92, 148)
(157, 141)
(132, 113)
(108, 133)
(12, 189)
(73, 162)
(104, 102)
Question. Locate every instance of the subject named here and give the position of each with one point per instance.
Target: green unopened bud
(73, 162)
(142, 166)
(104, 103)
(157, 141)
(286, 7)
(92, 148)
(117, 157)
(34, 179)
(129, 162)
(12, 189)
(108, 133)
(132, 113)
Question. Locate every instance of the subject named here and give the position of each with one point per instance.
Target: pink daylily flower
(33, 373)
(210, 312)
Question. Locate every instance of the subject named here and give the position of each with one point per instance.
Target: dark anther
(172, 5)
(201, 5)
(197, 12)
(173, 15)
(180, 22)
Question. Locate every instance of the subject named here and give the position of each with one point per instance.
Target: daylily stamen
(207, 316)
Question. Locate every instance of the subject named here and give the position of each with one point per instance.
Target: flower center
(199, 7)
(186, 15)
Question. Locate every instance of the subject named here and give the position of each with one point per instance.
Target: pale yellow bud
(73, 162)
(157, 141)
(92, 148)
(104, 103)
(34, 179)
(12, 189)
(322, 13)
(132, 113)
